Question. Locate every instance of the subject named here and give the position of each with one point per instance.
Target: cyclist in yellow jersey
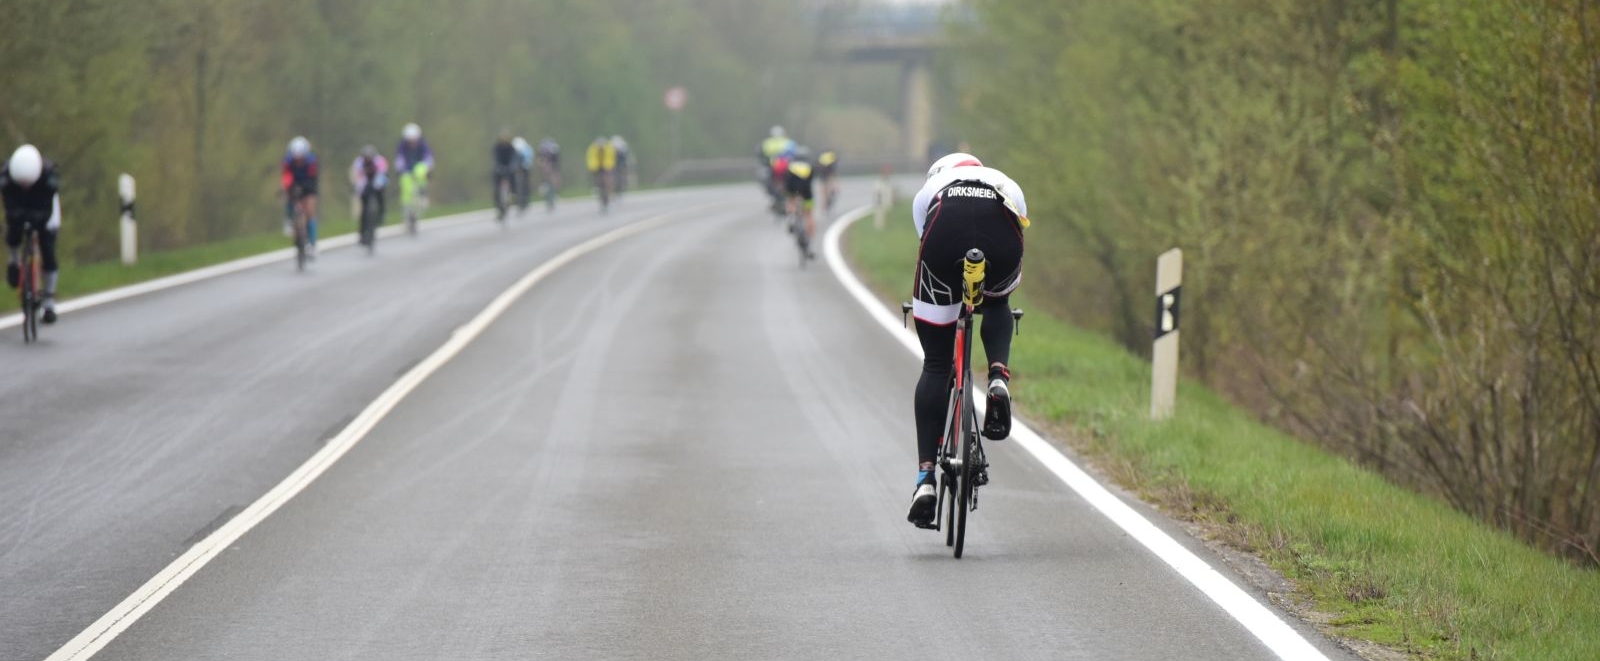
(798, 185)
(602, 159)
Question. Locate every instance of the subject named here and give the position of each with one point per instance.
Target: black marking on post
(1167, 307)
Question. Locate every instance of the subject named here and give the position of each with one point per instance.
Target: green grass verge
(1374, 561)
(81, 279)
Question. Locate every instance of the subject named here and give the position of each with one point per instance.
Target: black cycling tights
(938, 350)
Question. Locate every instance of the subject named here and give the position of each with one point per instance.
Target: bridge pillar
(916, 86)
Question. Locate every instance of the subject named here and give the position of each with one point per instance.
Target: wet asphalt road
(680, 446)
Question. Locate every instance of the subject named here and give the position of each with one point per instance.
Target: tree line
(197, 98)
(1390, 212)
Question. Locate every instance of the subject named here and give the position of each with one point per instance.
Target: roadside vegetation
(1370, 560)
(197, 98)
(1388, 212)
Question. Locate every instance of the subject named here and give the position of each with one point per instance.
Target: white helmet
(299, 146)
(411, 131)
(777, 131)
(26, 165)
(519, 143)
(956, 160)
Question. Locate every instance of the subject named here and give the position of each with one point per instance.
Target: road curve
(677, 446)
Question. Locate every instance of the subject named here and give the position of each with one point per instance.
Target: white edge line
(234, 266)
(1264, 624)
(92, 639)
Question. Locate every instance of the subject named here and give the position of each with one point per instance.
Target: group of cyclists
(610, 165)
(369, 179)
(789, 172)
(962, 205)
(518, 168)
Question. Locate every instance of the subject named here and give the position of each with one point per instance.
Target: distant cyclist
(620, 174)
(548, 155)
(369, 176)
(798, 176)
(525, 158)
(31, 189)
(602, 161)
(963, 205)
(413, 167)
(774, 153)
(827, 171)
(300, 173)
(504, 157)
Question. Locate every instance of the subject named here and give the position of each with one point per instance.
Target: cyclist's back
(602, 155)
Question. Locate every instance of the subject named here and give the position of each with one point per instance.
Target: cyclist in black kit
(963, 205)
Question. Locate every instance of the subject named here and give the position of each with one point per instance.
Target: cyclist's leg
(52, 272)
(1001, 240)
(13, 243)
(301, 219)
(811, 223)
(930, 402)
(309, 202)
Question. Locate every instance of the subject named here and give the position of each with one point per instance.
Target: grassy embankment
(81, 279)
(1375, 561)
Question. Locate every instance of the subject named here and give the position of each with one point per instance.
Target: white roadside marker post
(1164, 355)
(130, 230)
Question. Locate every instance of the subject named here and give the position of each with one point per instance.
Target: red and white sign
(675, 98)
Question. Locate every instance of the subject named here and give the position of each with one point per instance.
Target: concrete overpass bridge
(908, 34)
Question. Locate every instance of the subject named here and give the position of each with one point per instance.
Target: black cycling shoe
(13, 275)
(49, 316)
(997, 420)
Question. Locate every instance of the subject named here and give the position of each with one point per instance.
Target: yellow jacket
(601, 157)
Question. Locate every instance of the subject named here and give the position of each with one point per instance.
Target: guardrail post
(1164, 355)
(130, 229)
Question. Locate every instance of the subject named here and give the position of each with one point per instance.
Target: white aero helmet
(26, 165)
(519, 143)
(956, 160)
(411, 131)
(299, 146)
(777, 131)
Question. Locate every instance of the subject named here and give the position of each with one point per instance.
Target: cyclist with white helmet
(300, 173)
(413, 167)
(31, 189)
(963, 205)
